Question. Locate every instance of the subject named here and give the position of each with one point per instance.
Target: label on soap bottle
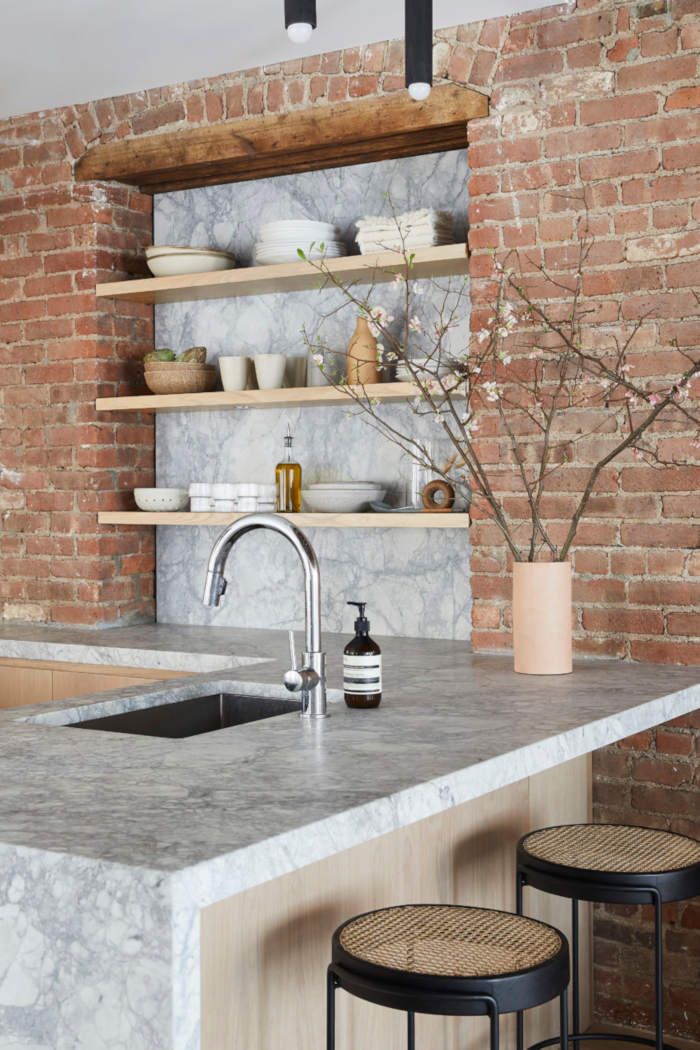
(362, 674)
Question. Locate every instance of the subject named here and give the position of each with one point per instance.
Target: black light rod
(299, 11)
(419, 42)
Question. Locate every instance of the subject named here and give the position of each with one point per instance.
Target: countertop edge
(220, 877)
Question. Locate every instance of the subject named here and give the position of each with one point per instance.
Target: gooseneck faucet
(310, 678)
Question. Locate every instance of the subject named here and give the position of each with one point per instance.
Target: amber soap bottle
(288, 479)
(362, 665)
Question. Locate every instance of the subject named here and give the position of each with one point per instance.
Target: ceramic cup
(270, 369)
(234, 372)
(295, 372)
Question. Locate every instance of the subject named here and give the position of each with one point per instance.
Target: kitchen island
(163, 894)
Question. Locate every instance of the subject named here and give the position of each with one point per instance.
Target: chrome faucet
(310, 678)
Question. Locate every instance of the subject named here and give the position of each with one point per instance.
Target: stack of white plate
(172, 260)
(279, 241)
(341, 497)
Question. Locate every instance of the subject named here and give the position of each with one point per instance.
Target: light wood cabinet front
(23, 682)
(20, 686)
(79, 683)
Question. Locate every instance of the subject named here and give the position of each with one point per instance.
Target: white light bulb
(299, 32)
(419, 91)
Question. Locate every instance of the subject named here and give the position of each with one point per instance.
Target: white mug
(270, 369)
(234, 372)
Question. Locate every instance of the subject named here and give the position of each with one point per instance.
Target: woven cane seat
(449, 940)
(611, 862)
(613, 848)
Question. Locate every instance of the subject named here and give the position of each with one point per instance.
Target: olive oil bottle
(288, 479)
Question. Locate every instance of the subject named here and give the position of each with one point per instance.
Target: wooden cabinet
(24, 685)
(79, 683)
(23, 682)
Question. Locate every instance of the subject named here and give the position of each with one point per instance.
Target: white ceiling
(58, 52)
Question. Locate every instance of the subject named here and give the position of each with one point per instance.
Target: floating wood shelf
(337, 521)
(443, 261)
(292, 397)
(319, 136)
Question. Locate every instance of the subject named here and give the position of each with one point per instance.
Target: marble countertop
(156, 646)
(253, 801)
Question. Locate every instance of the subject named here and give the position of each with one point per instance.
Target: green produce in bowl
(164, 354)
(197, 354)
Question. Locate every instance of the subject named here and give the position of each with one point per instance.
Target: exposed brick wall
(602, 97)
(651, 779)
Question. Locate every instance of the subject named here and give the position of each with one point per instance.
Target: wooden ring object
(438, 496)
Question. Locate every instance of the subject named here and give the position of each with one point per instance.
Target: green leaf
(301, 253)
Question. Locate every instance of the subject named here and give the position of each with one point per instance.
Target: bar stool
(615, 864)
(450, 960)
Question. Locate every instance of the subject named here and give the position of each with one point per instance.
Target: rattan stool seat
(613, 847)
(449, 941)
(611, 862)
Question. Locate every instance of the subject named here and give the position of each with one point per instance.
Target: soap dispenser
(362, 665)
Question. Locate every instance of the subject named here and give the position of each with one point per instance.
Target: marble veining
(415, 582)
(168, 827)
(149, 646)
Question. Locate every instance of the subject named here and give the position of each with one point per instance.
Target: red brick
(653, 74)
(683, 98)
(622, 107)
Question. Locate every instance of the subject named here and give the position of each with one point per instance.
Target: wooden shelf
(443, 261)
(339, 521)
(291, 397)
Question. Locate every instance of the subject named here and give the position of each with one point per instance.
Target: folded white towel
(409, 218)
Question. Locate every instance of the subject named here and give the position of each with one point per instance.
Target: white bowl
(341, 486)
(339, 501)
(161, 499)
(179, 264)
(183, 249)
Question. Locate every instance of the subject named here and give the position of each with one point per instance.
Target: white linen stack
(414, 229)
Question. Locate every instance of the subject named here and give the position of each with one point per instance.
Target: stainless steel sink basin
(200, 714)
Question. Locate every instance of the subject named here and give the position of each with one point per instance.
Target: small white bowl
(339, 501)
(161, 499)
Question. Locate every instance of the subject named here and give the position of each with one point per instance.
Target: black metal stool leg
(411, 1042)
(564, 1021)
(331, 985)
(519, 1017)
(659, 970)
(493, 1017)
(575, 988)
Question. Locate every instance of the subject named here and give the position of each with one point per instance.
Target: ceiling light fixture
(299, 19)
(419, 48)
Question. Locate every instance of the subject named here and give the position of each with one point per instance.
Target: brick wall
(601, 97)
(652, 779)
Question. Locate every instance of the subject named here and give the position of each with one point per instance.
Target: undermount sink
(199, 714)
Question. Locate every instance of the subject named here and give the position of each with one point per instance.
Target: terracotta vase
(362, 355)
(542, 617)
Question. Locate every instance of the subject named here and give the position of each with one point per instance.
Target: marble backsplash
(415, 581)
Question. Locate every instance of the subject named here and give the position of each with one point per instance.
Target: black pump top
(361, 623)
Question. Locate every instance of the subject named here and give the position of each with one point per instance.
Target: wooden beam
(279, 144)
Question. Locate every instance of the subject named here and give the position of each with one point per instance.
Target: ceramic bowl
(161, 499)
(177, 264)
(339, 501)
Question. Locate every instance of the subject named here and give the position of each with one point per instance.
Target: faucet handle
(293, 651)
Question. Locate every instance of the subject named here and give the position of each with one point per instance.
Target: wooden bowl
(172, 377)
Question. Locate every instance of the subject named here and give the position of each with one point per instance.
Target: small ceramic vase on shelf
(362, 355)
(542, 617)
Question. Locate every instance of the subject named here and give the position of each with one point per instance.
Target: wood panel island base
(190, 906)
(272, 943)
